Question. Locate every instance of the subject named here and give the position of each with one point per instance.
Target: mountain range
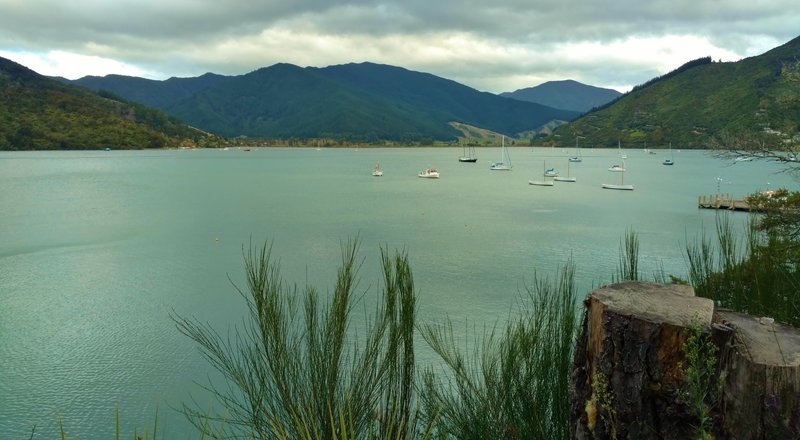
(701, 104)
(359, 102)
(567, 95)
(697, 105)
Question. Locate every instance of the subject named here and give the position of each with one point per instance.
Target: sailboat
(377, 171)
(468, 156)
(621, 185)
(505, 159)
(619, 147)
(669, 161)
(544, 181)
(567, 178)
(577, 156)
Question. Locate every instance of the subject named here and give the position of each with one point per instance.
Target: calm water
(97, 248)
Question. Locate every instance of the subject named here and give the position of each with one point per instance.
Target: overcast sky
(491, 45)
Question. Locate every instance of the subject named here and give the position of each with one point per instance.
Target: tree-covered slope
(567, 94)
(42, 114)
(700, 102)
(152, 93)
(446, 100)
(286, 101)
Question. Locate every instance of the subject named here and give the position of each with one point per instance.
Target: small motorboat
(429, 173)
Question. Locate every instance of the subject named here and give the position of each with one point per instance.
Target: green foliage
(757, 274)
(781, 219)
(693, 105)
(601, 404)
(700, 378)
(516, 383)
(38, 113)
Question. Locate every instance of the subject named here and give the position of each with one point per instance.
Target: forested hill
(364, 102)
(701, 103)
(39, 113)
(567, 94)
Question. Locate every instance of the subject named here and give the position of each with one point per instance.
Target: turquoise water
(98, 248)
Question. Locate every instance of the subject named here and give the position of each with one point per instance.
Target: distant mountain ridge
(151, 93)
(40, 113)
(701, 103)
(567, 95)
(364, 102)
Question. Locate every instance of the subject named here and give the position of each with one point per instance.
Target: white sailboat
(577, 156)
(617, 168)
(544, 181)
(377, 171)
(566, 178)
(505, 159)
(669, 161)
(622, 185)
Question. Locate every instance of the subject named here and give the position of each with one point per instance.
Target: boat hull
(618, 187)
(565, 179)
(540, 183)
(468, 159)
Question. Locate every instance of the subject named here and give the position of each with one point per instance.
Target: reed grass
(515, 383)
(296, 370)
(628, 268)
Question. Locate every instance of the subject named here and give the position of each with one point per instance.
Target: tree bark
(630, 368)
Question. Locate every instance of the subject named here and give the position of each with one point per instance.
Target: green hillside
(445, 100)
(38, 113)
(152, 93)
(284, 101)
(699, 103)
(567, 95)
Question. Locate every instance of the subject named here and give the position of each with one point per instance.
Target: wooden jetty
(722, 201)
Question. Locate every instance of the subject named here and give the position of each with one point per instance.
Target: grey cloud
(161, 35)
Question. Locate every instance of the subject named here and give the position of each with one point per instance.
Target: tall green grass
(296, 370)
(515, 383)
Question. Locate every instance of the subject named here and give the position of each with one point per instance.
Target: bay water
(97, 249)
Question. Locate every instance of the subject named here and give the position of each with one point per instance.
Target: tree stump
(630, 368)
(628, 361)
(760, 369)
